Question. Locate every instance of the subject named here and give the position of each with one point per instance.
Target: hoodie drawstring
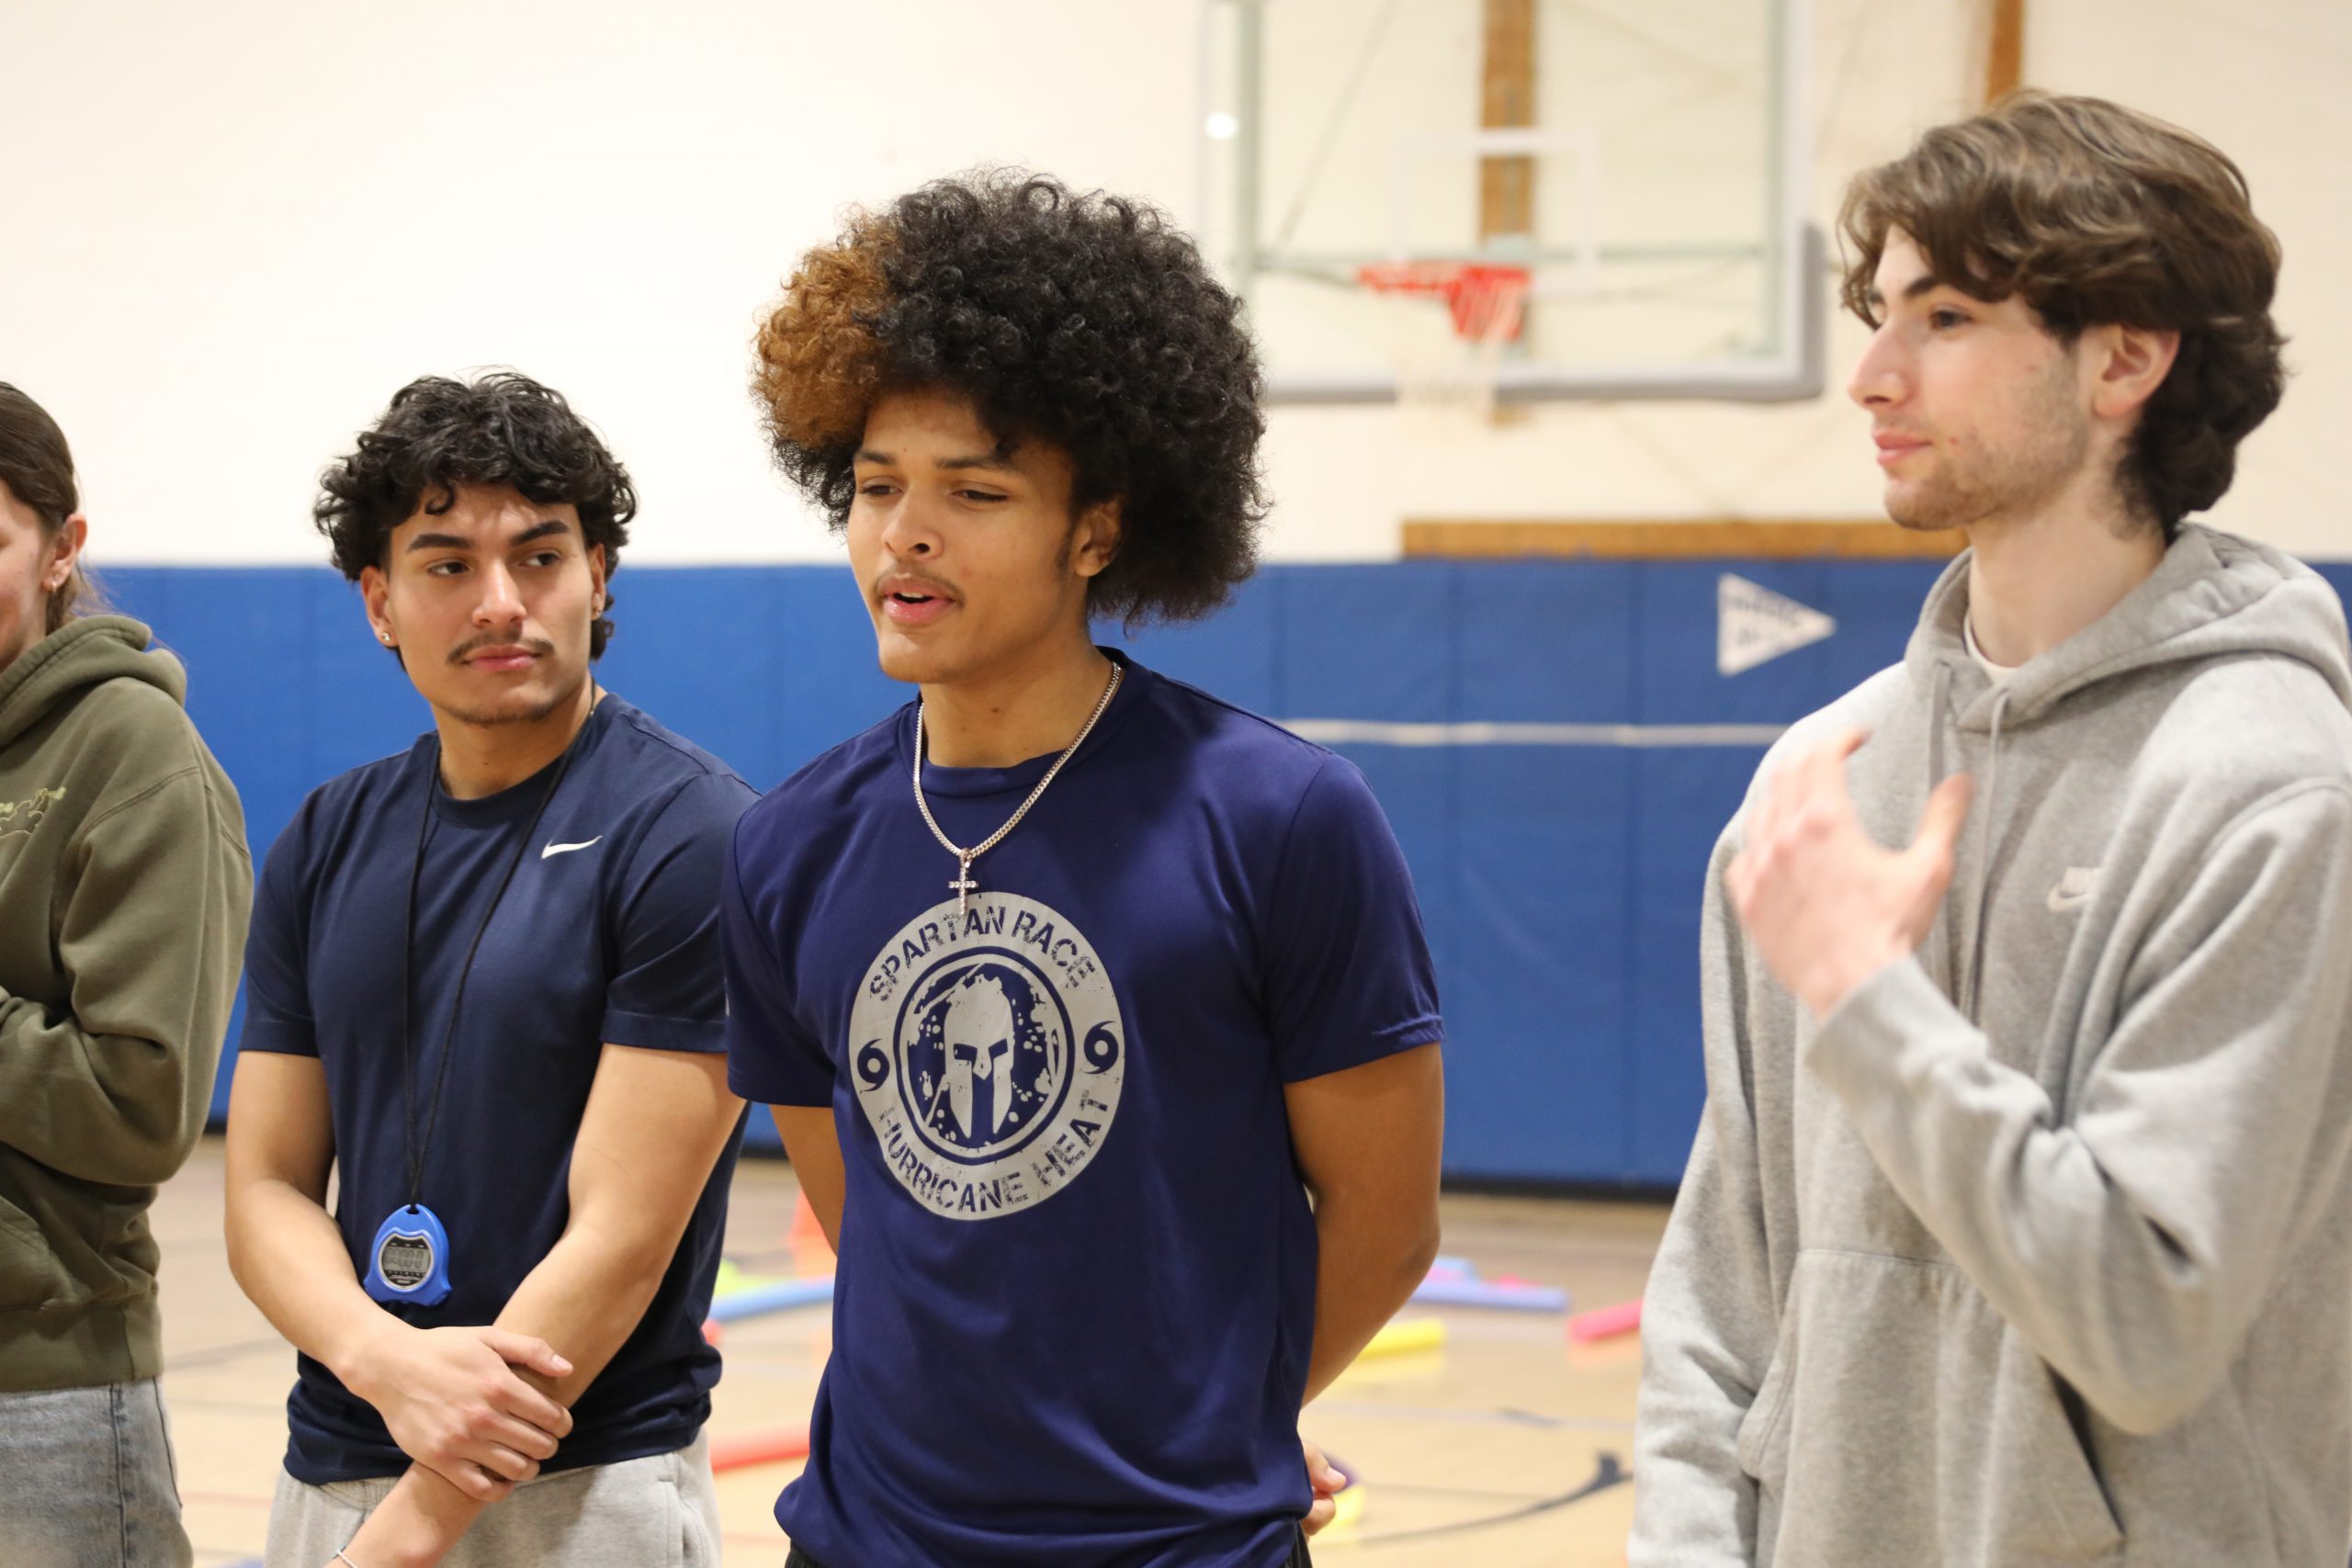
(1973, 984)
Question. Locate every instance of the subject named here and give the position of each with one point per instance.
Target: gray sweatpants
(659, 1512)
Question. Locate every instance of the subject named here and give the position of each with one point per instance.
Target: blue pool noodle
(1444, 1292)
(756, 1299)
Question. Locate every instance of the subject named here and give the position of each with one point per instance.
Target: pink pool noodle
(1606, 1323)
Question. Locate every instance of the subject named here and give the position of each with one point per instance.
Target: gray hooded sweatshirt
(2038, 1249)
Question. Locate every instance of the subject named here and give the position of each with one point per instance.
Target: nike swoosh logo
(567, 849)
(2076, 890)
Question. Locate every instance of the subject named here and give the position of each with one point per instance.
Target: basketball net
(1446, 381)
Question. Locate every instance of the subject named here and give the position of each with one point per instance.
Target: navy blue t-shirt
(608, 934)
(1076, 1292)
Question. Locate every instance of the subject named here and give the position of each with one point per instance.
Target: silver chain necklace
(964, 886)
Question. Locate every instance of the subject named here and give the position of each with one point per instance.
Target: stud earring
(384, 637)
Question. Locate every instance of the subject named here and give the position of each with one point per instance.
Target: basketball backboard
(1645, 161)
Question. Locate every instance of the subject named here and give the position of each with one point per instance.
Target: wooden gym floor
(1506, 1447)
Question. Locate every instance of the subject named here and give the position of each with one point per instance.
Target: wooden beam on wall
(1507, 99)
(1596, 540)
(2004, 50)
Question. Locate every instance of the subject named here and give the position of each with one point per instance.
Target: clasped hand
(1326, 1480)
(1822, 901)
(456, 1402)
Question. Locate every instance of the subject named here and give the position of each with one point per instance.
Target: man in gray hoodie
(2018, 1229)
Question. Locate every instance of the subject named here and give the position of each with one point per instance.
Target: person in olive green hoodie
(125, 886)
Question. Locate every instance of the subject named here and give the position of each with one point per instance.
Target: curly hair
(501, 429)
(2098, 215)
(1087, 321)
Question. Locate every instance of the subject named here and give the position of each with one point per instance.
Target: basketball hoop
(1487, 305)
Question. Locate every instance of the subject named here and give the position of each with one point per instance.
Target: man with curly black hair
(483, 986)
(1068, 983)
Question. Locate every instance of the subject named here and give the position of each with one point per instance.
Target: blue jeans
(89, 1480)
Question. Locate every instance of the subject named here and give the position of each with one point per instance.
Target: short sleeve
(771, 1057)
(1347, 972)
(277, 991)
(667, 992)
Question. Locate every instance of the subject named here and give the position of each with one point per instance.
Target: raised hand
(1825, 906)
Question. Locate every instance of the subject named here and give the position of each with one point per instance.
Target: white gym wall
(232, 230)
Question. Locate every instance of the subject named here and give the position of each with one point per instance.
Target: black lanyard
(416, 1147)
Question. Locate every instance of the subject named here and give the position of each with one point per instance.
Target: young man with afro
(1070, 984)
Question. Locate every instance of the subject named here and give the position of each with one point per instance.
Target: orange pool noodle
(805, 1239)
(776, 1445)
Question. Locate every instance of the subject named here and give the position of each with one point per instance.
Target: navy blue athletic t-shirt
(608, 934)
(1076, 1282)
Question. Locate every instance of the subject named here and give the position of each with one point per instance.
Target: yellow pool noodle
(1348, 1513)
(1406, 1335)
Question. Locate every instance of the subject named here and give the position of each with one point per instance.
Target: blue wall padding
(1540, 972)
(1546, 645)
(1366, 642)
(1236, 653)
(1560, 884)
(1674, 643)
(2339, 574)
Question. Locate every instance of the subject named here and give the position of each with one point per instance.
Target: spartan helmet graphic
(977, 1040)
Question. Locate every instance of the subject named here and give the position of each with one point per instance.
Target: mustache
(940, 584)
(474, 644)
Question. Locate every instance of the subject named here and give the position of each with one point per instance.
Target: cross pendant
(964, 886)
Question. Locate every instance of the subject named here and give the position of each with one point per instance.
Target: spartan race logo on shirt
(988, 1053)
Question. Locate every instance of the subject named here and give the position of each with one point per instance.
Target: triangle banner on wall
(1755, 626)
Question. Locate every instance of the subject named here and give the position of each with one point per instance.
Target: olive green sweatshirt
(125, 886)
